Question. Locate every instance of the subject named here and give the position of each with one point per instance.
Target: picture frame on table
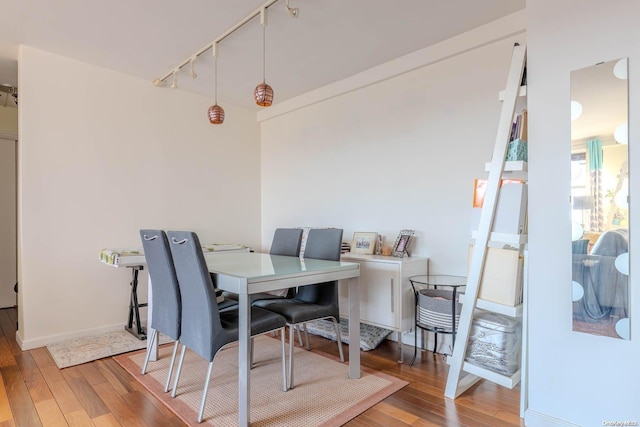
(402, 243)
(364, 242)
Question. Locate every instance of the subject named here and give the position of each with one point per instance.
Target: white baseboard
(537, 419)
(43, 341)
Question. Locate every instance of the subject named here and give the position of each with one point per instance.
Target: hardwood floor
(34, 392)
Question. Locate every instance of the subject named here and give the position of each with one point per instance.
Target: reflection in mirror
(600, 199)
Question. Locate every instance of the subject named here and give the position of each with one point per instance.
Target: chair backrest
(612, 243)
(200, 316)
(322, 243)
(166, 316)
(286, 241)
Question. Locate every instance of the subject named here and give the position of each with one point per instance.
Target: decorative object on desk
(402, 243)
(363, 242)
(86, 349)
(370, 336)
(328, 397)
(386, 251)
(379, 245)
(345, 247)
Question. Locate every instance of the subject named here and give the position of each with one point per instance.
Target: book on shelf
(519, 126)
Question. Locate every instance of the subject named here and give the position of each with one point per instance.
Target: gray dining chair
(287, 242)
(312, 302)
(166, 314)
(205, 328)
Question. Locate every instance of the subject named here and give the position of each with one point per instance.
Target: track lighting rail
(189, 60)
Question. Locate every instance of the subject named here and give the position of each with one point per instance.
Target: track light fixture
(191, 70)
(263, 93)
(293, 11)
(215, 112)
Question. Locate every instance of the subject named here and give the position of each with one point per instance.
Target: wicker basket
(434, 309)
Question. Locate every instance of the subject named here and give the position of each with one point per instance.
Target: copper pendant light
(215, 112)
(263, 93)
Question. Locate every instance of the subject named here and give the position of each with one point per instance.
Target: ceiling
(329, 40)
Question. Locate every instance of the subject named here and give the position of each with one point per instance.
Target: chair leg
(291, 339)
(149, 347)
(204, 393)
(306, 336)
(251, 355)
(338, 338)
(415, 345)
(299, 336)
(284, 363)
(175, 382)
(173, 360)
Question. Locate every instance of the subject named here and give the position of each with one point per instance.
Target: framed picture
(480, 188)
(402, 243)
(363, 243)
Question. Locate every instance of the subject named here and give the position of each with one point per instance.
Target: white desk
(135, 260)
(249, 273)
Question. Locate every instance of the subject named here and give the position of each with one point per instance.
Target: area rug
(370, 336)
(323, 394)
(82, 350)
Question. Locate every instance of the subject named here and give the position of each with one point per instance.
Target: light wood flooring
(34, 392)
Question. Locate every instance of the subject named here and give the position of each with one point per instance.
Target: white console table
(386, 296)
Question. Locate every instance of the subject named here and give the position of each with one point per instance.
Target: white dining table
(249, 273)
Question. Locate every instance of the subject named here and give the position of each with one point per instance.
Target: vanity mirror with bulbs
(600, 199)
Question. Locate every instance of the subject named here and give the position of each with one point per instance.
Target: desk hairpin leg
(134, 307)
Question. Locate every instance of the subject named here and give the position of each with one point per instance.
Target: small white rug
(82, 350)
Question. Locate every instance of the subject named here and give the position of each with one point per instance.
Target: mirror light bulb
(576, 110)
(621, 134)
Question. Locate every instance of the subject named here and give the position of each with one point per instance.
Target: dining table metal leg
(354, 328)
(244, 389)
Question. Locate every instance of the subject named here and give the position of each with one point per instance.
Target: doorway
(8, 223)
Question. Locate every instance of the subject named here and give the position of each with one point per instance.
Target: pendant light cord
(214, 50)
(215, 80)
(264, 44)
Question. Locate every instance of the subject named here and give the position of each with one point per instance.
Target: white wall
(574, 377)
(398, 153)
(102, 155)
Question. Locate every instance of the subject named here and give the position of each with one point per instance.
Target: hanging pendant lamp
(215, 112)
(263, 93)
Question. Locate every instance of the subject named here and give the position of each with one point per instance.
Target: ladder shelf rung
(511, 166)
(507, 310)
(521, 92)
(504, 239)
(501, 379)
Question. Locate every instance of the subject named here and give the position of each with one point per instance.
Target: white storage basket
(435, 309)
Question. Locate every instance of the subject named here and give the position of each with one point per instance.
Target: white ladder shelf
(463, 374)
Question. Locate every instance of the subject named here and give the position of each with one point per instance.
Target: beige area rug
(323, 395)
(82, 350)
